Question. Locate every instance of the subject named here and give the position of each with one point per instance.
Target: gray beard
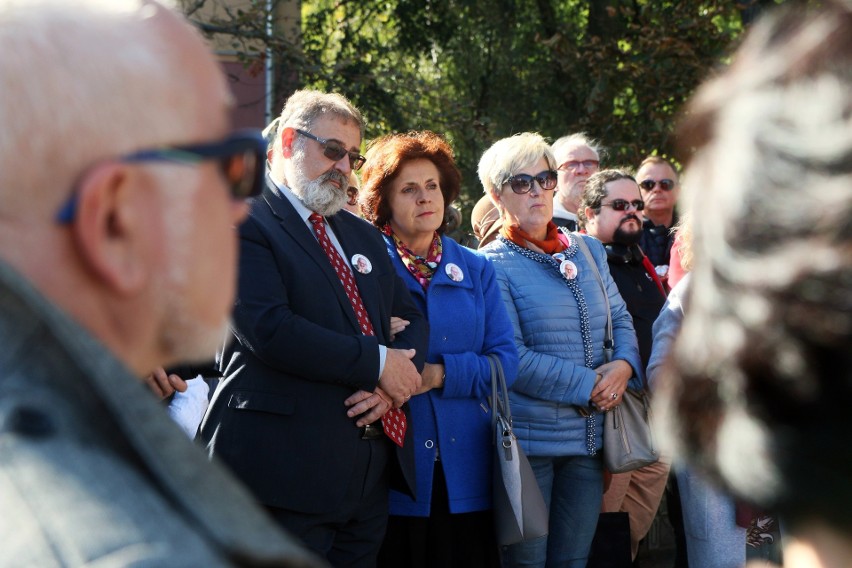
(320, 195)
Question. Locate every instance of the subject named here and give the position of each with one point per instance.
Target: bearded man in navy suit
(297, 416)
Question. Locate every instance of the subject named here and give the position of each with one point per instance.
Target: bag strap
(608, 343)
(499, 392)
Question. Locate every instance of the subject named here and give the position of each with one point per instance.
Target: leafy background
(477, 70)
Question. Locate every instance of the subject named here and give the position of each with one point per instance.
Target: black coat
(278, 417)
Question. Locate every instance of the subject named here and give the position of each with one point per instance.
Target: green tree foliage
(479, 70)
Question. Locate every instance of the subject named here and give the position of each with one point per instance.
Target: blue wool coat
(553, 378)
(467, 321)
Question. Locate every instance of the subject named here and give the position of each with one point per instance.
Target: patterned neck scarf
(421, 268)
(551, 243)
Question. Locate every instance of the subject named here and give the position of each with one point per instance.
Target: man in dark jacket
(611, 210)
(658, 182)
(315, 365)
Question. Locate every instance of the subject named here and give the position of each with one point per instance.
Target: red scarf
(550, 245)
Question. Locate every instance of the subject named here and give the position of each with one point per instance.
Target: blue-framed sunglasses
(241, 158)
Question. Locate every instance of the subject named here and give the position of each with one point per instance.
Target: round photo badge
(559, 256)
(362, 264)
(568, 269)
(454, 272)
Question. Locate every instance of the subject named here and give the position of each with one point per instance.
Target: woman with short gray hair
(558, 312)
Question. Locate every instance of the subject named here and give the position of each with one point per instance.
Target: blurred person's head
(316, 147)
(611, 208)
(577, 157)
(519, 175)
(763, 368)
(658, 181)
(132, 237)
(408, 182)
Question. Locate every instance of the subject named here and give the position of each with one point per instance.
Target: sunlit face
(198, 238)
(611, 226)
(657, 200)
(529, 211)
(416, 201)
(320, 182)
(573, 173)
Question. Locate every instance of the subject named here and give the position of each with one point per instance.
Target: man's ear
(590, 214)
(287, 137)
(109, 228)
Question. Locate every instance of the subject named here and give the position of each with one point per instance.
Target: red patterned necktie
(393, 421)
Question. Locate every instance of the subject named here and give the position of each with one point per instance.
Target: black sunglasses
(335, 150)
(522, 183)
(624, 205)
(241, 158)
(665, 184)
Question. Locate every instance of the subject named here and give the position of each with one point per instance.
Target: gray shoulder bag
(519, 509)
(628, 438)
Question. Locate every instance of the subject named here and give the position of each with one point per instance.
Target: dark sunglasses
(665, 184)
(241, 158)
(522, 183)
(334, 150)
(624, 205)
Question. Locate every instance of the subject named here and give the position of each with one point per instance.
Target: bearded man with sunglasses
(611, 210)
(658, 182)
(308, 412)
(117, 215)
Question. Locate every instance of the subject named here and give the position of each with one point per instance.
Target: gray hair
(763, 383)
(304, 107)
(574, 140)
(77, 81)
(508, 155)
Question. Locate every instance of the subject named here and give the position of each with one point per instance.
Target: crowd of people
(346, 418)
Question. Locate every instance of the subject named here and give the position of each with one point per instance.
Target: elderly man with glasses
(308, 414)
(117, 256)
(611, 210)
(577, 158)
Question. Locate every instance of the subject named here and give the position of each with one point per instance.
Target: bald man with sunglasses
(658, 182)
(117, 255)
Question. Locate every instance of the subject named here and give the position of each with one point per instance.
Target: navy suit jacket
(278, 418)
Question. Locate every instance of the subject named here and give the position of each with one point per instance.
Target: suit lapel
(294, 226)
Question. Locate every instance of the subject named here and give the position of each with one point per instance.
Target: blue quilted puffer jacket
(546, 316)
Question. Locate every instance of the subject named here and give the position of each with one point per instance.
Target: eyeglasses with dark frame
(574, 164)
(335, 150)
(522, 183)
(624, 205)
(241, 158)
(665, 184)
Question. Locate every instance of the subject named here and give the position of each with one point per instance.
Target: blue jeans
(713, 539)
(572, 487)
